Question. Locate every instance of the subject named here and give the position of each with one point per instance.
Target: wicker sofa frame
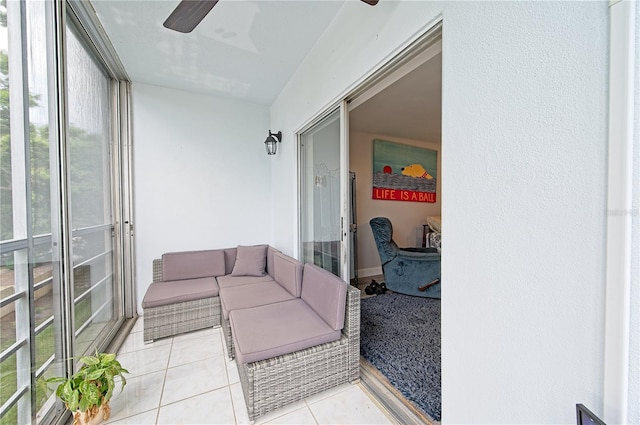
(173, 319)
(273, 383)
(228, 338)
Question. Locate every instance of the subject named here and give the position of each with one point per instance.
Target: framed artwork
(403, 172)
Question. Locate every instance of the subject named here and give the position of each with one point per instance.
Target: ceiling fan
(188, 14)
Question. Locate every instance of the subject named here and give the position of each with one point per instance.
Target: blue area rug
(400, 336)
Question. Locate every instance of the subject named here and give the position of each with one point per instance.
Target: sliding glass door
(61, 279)
(30, 314)
(323, 187)
(89, 139)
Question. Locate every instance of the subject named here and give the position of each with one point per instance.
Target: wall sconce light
(271, 144)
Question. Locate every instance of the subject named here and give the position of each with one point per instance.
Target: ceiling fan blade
(188, 14)
(371, 2)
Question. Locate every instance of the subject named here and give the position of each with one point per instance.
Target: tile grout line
(312, 414)
(164, 381)
(226, 371)
(141, 375)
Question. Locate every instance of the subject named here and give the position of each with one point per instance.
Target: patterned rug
(400, 336)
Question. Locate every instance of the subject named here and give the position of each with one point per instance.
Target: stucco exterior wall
(524, 146)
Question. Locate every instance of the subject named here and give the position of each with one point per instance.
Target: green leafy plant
(91, 387)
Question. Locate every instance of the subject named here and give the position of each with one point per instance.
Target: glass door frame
(343, 118)
(408, 55)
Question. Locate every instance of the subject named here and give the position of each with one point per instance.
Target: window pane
(47, 322)
(8, 385)
(38, 119)
(8, 312)
(9, 276)
(89, 106)
(320, 208)
(30, 219)
(6, 209)
(90, 136)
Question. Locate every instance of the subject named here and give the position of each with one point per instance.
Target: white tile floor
(187, 379)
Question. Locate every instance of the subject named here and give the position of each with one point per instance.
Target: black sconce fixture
(272, 142)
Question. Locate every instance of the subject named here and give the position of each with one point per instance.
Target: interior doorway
(407, 112)
(400, 102)
(404, 108)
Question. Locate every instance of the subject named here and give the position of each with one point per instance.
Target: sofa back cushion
(192, 264)
(325, 293)
(229, 259)
(287, 272)
(271, 252)
(250, 261)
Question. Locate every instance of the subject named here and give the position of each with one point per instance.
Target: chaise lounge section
(294, 349)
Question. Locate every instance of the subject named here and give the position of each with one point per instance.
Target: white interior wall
(524, 191)
(407, 218)
(201, 174)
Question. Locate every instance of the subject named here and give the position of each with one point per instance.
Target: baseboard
(372, 271)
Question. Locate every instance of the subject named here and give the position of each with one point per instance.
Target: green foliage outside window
(87, 164)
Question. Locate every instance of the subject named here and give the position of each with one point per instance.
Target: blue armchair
(406, 270)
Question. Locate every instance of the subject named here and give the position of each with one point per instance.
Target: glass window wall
(89, 105)
(57, 202)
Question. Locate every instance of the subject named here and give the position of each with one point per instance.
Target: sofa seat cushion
(275, 329)
(227, 281)
(177, 291)
(246, 296)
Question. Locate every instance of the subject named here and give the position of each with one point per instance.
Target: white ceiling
(248, 50)
(409, 108)
(242, 49)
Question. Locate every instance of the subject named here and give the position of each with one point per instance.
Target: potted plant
(88, 391)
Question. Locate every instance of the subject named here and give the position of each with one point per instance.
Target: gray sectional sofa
(293, 329)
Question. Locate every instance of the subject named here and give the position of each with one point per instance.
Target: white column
(619, 214)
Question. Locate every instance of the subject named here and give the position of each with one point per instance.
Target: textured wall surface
(200, 174)
(524, 191)
(524, 319)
